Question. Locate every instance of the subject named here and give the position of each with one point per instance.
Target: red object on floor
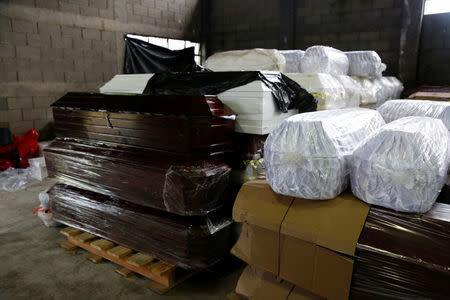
(5, 164)
(26, 146)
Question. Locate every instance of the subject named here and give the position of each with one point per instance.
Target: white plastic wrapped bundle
(398, 86)
(397, 109)
(368, 90)
(247, 60)
(403, 165)
(382, 91)
(306, 156)
(330, 94)
(365, 64)
(389, 90)
(293, 58)
(352, 90)
(323, 59)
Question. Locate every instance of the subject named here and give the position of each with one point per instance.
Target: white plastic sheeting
(306, 156)
(397, 109)
(247, 60)
(293, 58)
(403, 165)
(126, 84)
(352, 88)
(255, 108)
(330, 94)
(323, 59)
(368, 90)
(365, 64)
(398, 85)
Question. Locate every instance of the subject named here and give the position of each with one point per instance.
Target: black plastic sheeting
(287, 93)
(143, 57)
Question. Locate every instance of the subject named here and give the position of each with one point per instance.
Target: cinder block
(53, 76)
(3, 103)
(40, 124)
(80, 2)
(91, 34)
(43, 101)
(107, 35)
(106, 13)
(72, 53)
(383, 3)
(49, 113)
(13, 38)
(73, 32)
(24, 2)
(89, 11)
(7, 51)
(9, 75)
(19, 102)
(49, 29)
(5, 24)
(369, 36)
(20, 127)
(28, 52)
(74, 76)
(50, 4)
(98, 3)
(30, 75)
(346, 37)
(68, 7)
(82, 44)
(34, 113)
(38, 40)
(3, 116)
(24, 26)
(61, 42)
(93, 76)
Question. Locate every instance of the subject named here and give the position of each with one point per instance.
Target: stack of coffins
(342, 247)
(145, 172)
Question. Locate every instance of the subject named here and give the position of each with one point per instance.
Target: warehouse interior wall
(434, 53)
(50, 47)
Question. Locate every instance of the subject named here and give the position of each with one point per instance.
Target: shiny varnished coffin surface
(188, 242)
(403, 256)
(174, 182)
(171, 123)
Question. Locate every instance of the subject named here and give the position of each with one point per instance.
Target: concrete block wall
(434, 56)
(343, 24)
(50, 47)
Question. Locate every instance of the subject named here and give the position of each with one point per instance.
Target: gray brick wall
(50, 47)
(344, 24)
(434, 56)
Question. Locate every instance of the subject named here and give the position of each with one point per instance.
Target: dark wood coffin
(188, 242)
(403, 256)
(174, 182)
(201, 124)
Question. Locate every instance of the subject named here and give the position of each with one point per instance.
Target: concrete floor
(34, 266)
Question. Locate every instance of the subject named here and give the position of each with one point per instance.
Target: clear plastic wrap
(328, 91)
(403, 256)
(398, 86)
(247, 60)
(396, 109)
(293, 58)
(403, 165)
(365, 64)
(183, 124)
(177, 183)
(389, 90)
(306, 156)
(188, 242)
(13, 180)
(368, 91)
(323, 59)
(352, 90)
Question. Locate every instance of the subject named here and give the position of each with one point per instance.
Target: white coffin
(247, 60)
(126, 84)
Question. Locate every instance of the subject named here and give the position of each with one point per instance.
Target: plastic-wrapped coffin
(328, 91)
(368, 90)
(256, 109)
(353, 90)
(396, 109)
(365, 64)
(171, 123)
(167, 181)
(403, 165)
(188, 242)
(323, 59)
(306, 156)
(247, 60)
(293, 58)
(403, 256)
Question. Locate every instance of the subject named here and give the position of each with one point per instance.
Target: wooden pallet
(164, 276)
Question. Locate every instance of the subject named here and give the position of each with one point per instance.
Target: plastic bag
(323, 59)
(397, 109)
(247, 60)
(287, 93)
(306, 156)
(365, 64)
(143, 57)
(403, 165)
(13, 180)
(329, 92)
(44, 211)
(293, 58)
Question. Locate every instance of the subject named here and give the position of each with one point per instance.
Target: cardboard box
(306, 242)
(259, 285)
